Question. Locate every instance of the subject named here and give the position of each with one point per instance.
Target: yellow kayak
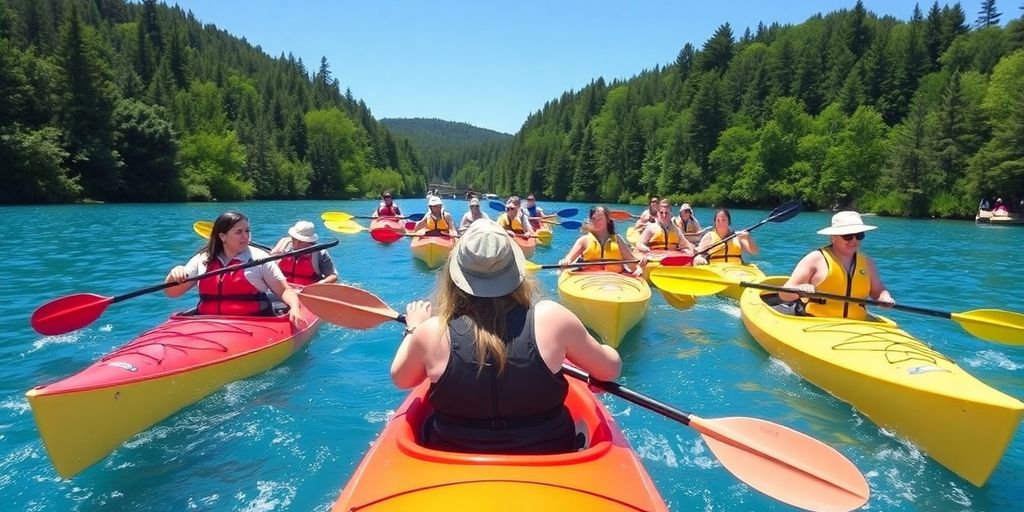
(896, 380)
(545, 240)
(608, 303)
(633, 236)
(738, 272)
(432, 250)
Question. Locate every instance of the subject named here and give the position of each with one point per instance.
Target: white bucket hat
(684, 207)
(434, 201)
(846, 223)
(486, 262)
(303, 231)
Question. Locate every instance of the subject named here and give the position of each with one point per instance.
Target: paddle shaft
(232, 268)
(588, 263)
(764, 221)
(818, 295)
(629, 395)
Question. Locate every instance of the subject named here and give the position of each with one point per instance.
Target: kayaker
(649, 215)
(602, 243)
(839, 268)
(688, 224)
(663, 233)
(387, 207)
(514, 220)
(242, 292)
(474, 214)
(493, 354)
(729, 252)
(1000, 208)
(306, 268)
(534, 212)
(437, 221)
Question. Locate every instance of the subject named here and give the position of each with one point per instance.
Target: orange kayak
(397, 474)
(528, 245)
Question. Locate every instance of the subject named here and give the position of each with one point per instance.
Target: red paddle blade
(620, 215)
(410, 226)
(385, 235)
(69, 313)
(787, 465)
(346, 306)
(677, 261)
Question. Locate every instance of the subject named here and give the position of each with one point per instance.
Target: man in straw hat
(306, 268)
(437, 221)
(839, 268)
(494, 354)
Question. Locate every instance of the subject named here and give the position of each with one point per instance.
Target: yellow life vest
(595, 251)
(439, 224)
(728, 252)
(688, 228)
(515, 224)
(664, 237)
(855, 284)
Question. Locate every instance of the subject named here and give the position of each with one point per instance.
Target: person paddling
(513, 219)
(306, 268)
(437, 221)
(663, 233)
(474, 214)
(688, 224)
(729, 252)
(602, 243)
(387, 207)
(242, 292)
(839, 268)
(493, 354)
(649, 215)
(533, 212)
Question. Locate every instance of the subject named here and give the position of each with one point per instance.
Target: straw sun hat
(846, 223)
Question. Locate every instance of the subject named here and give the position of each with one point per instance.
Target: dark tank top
(520, 411)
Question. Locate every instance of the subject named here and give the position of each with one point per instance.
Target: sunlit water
(289, 439)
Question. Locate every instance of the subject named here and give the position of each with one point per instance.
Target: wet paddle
(564, 213)
(622, 215)
(670, 261)
(389, 236)
(996, 325)
(342, 216)
(345, 227)
(204, 228)
(787, 465)
(75, 311)
(781, 213)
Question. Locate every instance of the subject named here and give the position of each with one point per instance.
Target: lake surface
(290, 438)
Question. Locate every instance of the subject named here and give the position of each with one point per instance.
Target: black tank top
(520, 411)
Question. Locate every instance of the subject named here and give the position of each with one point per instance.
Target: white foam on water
(728, 307)
(779, 368)
(695, 453)
(653, 447)
(379, 416)
(63, 339)
(205, 502)
(17, 404)
(958, 495)
(992, 359)
(272, 496)
(107, 328)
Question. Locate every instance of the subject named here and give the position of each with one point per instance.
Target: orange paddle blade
(787, 465)
(347, 306)
(621, 215)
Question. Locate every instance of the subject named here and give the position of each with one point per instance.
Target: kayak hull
(608, 303)
(392, 223)
(431, 250)
(528, 245)
(84, 417)
(398, 474)
(896, 380)
(545, 239)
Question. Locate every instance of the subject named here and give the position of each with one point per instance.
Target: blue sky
(491, 64)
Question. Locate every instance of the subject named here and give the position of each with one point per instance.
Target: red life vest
(389, 211)
(230, 293)
(299, 269)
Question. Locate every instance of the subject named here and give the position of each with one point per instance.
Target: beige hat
(434, 201)
(474, 202)
(846, 223)
(304, 231)
(685, 206)
(486, 262)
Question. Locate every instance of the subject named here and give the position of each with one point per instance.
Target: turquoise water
(289, 439)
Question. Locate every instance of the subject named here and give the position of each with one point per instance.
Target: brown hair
(223, 224)
(487, 314)
(608, 216)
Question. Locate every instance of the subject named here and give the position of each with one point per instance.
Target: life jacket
(688, 227)
(522, 410)
(665, 237)
(728, 252)
(856, 283)
(515, 224)
(532, 212)
(301, 269)
(388, 211)
(596, 252)
(230, 293)
(440, 225)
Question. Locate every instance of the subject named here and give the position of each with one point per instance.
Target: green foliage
(213, 166)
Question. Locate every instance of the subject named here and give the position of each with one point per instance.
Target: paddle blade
(621, 215)
(568, 212)
(571, 224)
(786, 211)
(385, 235)
(688, 281)
(532, 267)
(410, 226)
(337, 216)
(346, 306)
(787, 465)
(416, 217)
(677, 261)
(347, 227)
(678, 301)
(69, 313)
(544, 236)
(993, 325)
(496, 206)
(203, 228)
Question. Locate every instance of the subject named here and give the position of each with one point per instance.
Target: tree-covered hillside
(447, 146)
(917, 117)
(115, 101)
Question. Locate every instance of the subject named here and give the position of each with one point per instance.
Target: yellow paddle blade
(203, 228)
(544, 236)
(347, 227)
(678, 301)
(338, 216)
(993, 325)
(531, 266)
(697, 281)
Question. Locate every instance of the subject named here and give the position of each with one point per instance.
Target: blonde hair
(487, 314)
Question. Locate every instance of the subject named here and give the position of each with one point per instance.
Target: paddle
(564, 213)
(388, 236)
(670, 261)
(73, 312)
(347, 227)
(781, 213)
(204, 228)
(342, 216)
(996, 325)
(782, 463)
(621, 215)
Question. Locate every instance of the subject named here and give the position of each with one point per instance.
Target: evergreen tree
(988, 15)
(717, 51)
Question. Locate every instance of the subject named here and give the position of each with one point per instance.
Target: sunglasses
(510, 209)
(474, 206)
(858, 236)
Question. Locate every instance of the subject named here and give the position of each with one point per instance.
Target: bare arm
(557, 325)
(878, 289)
(409, 366)
(645, 238)
(802, 277)
(747, 243)
(575, 252)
